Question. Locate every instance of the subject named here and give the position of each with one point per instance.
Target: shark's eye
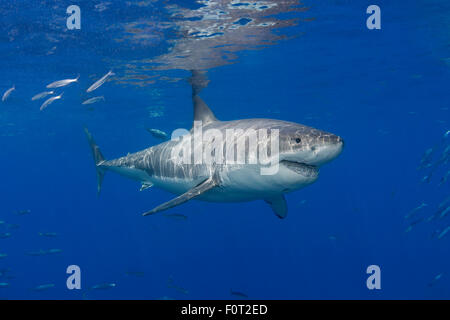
(298, 140)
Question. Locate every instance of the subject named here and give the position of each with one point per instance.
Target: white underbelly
(248, 183)
(238, 183)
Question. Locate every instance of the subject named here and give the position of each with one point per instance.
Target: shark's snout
(326, 150)
(337, 140)
(328, 139)
(341, 142)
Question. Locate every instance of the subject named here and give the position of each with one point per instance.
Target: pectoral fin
(204, 186)
(279, 206)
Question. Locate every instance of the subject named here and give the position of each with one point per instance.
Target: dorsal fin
(201, 111)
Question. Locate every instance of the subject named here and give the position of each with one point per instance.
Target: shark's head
(308, 146)
(303, 150)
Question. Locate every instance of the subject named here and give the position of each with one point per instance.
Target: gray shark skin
(302, 151)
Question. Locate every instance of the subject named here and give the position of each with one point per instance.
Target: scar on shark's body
(301, 152)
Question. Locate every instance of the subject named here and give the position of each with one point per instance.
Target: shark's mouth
(301, 168)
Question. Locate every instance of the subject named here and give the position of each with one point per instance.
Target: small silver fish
(48, 234)
(52, 251)
(427, 178)
(415, 210)
(42, 95)
(43, 287)
(4, 284)
(426, 158)
(445, 212)
(441, 209)
(103, 286)
(22, 212)
(157, 133)
(7, 93)
(435, 279)
(62, 83)
(49, 101)
(37, 253)
(238, 294)
(3, 255)
(93, 100)
(145, 186)
(444, 232)
(412, 224)
(101, 81)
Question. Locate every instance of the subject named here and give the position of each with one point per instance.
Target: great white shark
(302, 150)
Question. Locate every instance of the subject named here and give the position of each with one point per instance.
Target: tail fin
(98, 158)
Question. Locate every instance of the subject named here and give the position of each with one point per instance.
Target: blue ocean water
(384, 91)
